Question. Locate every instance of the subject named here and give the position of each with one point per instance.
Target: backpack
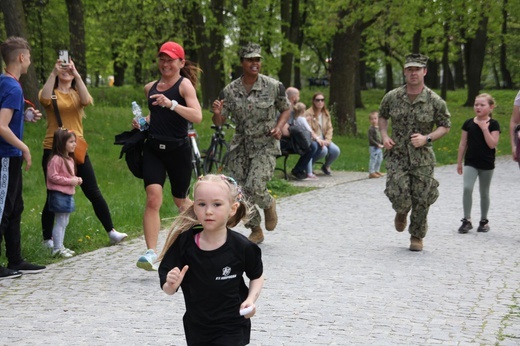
(300, 138)
(133, 144)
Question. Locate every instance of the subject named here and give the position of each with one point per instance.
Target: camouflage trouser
(253, 174)
(413, 189)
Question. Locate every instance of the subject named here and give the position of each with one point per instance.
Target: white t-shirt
(302, 121)
(517, 99)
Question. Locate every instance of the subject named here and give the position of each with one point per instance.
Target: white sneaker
(62, 253)
(48, 243)
(116, 237)
(70, 251)
(147, 260)
(311, 177)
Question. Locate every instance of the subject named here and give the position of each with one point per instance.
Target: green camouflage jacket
(419, 116)
(255, 114)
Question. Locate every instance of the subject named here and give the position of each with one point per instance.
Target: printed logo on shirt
(225, 274)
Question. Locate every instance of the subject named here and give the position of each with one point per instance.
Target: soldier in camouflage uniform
(253, 102)
(413, 109)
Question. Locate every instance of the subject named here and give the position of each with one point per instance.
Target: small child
(299, 109)
(61, 182)
(375, 147)
(477, 146)
(207, 260)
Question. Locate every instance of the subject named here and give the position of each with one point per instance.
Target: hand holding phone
(64, 58)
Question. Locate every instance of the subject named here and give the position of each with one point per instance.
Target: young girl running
(61, 182)
(477, 145)
(207, 260)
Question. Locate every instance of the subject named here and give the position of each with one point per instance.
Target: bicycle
(217, 153)
(196, 158)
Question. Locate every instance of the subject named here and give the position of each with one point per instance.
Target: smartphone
(64, 56)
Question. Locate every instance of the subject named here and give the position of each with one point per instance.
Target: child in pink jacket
(61, 183)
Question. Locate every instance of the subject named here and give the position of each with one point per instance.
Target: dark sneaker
(483, 226)
(325, 170)
(6, 273)
(26, 267)
(299, 175)
(466, 226)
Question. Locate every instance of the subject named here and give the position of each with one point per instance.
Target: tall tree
(209, 34)
(77, 35)
(15, 25)
(475, 54)
(345, 61)
(506, 75)
(290, 14)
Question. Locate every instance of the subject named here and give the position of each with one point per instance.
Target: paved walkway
(337, 273)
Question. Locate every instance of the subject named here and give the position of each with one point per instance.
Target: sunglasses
(319, 100)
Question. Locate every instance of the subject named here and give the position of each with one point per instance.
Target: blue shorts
(60, 202)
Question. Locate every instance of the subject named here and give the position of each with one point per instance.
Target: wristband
(174, 104)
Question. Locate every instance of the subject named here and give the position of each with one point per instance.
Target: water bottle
(138, 116)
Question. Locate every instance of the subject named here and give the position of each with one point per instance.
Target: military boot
(400, 221)
(257, 235)
(271, 218)
(416, 244)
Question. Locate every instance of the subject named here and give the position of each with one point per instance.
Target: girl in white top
(299, 110)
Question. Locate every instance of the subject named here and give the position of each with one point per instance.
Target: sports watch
(174, 104)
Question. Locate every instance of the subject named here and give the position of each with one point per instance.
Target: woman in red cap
(173, 104)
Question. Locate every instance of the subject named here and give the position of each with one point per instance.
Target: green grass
(125, 194)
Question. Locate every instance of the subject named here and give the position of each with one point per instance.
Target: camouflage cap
(250, 50)
(415, 60)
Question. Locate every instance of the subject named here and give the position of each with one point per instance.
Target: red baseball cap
(173, 50)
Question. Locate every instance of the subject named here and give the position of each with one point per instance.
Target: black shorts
(176, 162)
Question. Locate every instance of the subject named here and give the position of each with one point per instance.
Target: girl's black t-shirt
(478, 154)
(213, 286)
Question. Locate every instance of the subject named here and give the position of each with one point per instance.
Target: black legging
(90, 189)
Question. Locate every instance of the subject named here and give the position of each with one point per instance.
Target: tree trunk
(297, 73)
(210, 53)
(358, 100)
(447, 78)
(15, 25)
(506, 75)
(301, 36)
(290, 12)
(416, 42)
(389, 73)
(119, 70)
(495, 76)
(432, 77)
(77, 36)
(284, 75)
(345, 57)
(138, 73)
(475, 60)
(458, 67)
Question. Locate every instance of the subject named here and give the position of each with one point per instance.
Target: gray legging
(484, 180)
